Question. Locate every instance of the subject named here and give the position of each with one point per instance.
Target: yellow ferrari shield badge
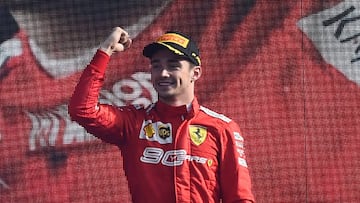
(197, 134)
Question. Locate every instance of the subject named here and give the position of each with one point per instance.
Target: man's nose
(164, 72)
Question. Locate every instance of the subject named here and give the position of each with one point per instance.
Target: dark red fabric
(299, 114)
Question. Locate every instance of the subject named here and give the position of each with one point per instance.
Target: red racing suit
(171, 154)
(298, 113)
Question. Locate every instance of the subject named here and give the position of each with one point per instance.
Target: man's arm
(84, 108)
(234, 175)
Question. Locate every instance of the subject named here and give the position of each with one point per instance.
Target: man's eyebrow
(175, 60)
(154, 61)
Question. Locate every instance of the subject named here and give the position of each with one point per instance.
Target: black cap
(178, 43)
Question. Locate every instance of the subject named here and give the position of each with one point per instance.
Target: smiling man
(174, 150)
(174, 70)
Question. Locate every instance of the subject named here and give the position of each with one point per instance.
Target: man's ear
(196, 73)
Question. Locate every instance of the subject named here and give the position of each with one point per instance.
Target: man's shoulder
(215, 115)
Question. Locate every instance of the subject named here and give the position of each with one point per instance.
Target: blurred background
(288, 72)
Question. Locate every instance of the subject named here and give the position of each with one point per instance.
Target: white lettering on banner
(140, 81)
(9, 48)
(46, 128)
(144, 79)
(55, 127)
(336, 34)
(153, 155)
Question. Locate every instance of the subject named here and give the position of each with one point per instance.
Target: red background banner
(288, 72)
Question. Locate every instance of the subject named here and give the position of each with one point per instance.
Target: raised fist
(117, 41)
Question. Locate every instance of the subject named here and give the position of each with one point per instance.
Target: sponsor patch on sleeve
(239, 144)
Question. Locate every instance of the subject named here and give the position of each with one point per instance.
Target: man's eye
(155, 66)
(174, 66)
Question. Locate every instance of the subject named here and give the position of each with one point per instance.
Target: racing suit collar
(188, 111)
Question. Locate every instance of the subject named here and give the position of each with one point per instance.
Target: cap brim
(152, 48)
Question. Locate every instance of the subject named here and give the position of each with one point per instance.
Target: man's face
(172, 76)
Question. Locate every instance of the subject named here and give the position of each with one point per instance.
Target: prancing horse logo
(197, 134)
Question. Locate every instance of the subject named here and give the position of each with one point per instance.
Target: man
(295, 109)
(174, 150)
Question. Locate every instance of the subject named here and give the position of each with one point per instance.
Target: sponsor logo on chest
(156, 132)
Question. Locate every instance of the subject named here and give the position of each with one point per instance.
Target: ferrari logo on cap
(197, 134)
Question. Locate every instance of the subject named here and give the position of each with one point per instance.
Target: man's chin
(166, 95)
(164, 90)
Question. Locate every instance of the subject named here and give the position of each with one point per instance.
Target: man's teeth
(164, 83)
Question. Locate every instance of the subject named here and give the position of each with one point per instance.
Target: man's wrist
(107, 50)
(100, 61)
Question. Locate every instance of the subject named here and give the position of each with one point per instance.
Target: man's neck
(177, 102)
